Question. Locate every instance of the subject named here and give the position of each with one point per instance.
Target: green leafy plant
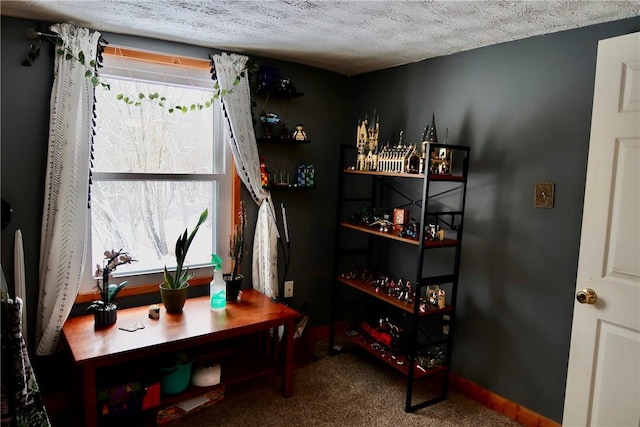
(237, 246)
(108, 292)
(182, 275)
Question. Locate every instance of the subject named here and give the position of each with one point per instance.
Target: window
(155, 171)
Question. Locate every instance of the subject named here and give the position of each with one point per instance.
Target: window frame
(229, 192)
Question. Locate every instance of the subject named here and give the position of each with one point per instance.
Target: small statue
(264, 174)
(299, 134)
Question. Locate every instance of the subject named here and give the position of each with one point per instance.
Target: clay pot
(173, 299)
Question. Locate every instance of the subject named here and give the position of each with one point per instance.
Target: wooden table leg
(90, 396)
(289, 362)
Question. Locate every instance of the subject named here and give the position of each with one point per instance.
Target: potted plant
(104, 310)
(173, 290)
(237, 249)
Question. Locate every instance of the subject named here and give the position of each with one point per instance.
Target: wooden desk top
(196, 324)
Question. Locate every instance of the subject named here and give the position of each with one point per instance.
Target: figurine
(431, 135)
(367, 144)
(287, 86)
(410, 230)
(309, 175)
(270, 121)
(264, 174)
(395, 159)
(268, 78)
(385, 225)
(413, 162)
(301, 175)
(270, 118)
(299, 134)
(374, 132)
(432, 231)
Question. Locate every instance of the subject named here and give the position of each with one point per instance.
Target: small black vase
(233, 286)
(105, 316)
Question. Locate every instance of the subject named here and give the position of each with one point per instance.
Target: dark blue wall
(24, 131)
(524, 107)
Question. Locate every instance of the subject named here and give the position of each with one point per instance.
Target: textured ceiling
(348, 37)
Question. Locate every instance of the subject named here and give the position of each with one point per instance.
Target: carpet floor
(348, 389)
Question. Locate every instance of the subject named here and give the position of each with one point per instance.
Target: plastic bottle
(217, 286)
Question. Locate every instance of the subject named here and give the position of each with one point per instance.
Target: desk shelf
(238, 338)
(233, 372)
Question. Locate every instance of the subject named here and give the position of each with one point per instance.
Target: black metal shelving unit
(452, 185)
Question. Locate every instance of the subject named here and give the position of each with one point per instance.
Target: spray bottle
(217, 287)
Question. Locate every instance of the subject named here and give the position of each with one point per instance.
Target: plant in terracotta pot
(173, 290)
(237, 250)
(104, 310)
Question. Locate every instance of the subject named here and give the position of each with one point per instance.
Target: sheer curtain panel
(64, 218)
(239, 126)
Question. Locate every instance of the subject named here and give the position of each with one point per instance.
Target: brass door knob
(587, 296)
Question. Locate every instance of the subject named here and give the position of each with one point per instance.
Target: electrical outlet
(288, 289)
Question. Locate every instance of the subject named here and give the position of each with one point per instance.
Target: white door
(603, 379)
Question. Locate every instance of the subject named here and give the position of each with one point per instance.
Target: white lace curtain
(64, 219)
(239, 126)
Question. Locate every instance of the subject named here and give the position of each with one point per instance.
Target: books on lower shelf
(174, 412)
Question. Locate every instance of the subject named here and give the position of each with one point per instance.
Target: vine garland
(135, 100)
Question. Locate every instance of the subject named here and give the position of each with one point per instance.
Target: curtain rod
(33, 34)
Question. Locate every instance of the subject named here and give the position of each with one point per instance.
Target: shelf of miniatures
(398, 245)
(273, 95)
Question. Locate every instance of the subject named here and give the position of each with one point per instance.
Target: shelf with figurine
(397, 225)
(279, 178)
(398, 362)
(271, 130)
(432, 177)
(384, 335)
(281, 140)
(394, 234)
(398, 294)
(276, 130)
(403, 160)
(269, 83)
(288, 187)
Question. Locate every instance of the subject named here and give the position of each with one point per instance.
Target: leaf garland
(135, 100)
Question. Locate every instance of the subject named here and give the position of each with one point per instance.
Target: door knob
(587, 296)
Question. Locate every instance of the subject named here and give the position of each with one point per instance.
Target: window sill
(150, 288)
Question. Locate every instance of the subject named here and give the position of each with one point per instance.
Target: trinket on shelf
(367, 144)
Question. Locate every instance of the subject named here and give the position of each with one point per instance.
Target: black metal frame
(421, 281)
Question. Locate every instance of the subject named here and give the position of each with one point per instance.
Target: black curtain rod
(33, 34)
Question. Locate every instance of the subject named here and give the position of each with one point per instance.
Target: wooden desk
(196, 325)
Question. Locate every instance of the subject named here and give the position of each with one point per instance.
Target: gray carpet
(348, 389)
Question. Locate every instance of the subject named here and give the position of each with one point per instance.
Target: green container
(175, 379)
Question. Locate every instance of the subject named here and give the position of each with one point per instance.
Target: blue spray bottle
(217, 287)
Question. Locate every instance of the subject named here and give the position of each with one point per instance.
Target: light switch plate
(544, 193)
